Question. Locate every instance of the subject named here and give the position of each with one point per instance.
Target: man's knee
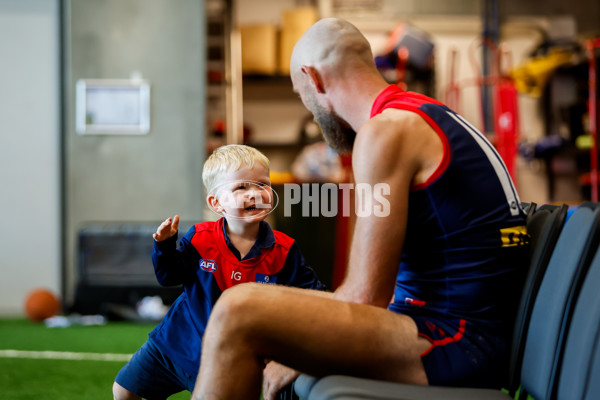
(236, 300)
(237, 305)
(120, 393)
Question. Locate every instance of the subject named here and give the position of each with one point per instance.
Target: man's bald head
(331, 43)
(331, 63)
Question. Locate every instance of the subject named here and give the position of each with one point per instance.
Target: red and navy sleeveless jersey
(206, 266)
(465, 252)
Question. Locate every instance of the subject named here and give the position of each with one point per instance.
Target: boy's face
(244, 194)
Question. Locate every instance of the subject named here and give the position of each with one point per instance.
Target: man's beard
(337, 133)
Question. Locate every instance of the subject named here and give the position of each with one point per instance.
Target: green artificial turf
(114, 337)
(22, 379)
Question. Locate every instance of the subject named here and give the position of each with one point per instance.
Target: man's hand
(167, 229)
(276, 377)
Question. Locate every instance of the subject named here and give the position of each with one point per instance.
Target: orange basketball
(41, 304)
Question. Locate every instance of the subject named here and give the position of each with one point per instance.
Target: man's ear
(213, 203)
(314, 77)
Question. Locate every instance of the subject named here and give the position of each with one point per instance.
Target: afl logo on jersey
(208, 265)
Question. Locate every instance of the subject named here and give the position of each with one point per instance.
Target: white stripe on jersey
(507, 185)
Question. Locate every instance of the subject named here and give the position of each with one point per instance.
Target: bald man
(431, 286)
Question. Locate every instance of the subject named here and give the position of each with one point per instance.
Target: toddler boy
(211, 257)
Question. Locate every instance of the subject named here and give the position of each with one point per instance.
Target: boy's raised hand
(167, 229)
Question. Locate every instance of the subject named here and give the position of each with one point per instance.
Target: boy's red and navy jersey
(465, 251)
(206, 264)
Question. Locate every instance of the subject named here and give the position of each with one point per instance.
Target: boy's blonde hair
(227, 158)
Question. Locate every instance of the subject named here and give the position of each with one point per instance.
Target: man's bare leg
(305, 331)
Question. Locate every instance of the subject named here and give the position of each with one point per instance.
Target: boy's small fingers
(161, 230)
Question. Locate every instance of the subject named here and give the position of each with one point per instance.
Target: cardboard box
(259, 49)
(295, 22)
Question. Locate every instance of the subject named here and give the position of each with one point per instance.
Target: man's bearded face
(337, 133)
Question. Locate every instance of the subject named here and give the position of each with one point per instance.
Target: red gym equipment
(505, 131)
(591, 46)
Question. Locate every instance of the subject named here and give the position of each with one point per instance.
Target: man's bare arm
(389, 150)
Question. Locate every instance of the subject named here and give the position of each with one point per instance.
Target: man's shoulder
(389, 128)
(391, 120)
(395, 144)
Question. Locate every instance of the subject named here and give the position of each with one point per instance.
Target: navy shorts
(151, 375)
(462, 354)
